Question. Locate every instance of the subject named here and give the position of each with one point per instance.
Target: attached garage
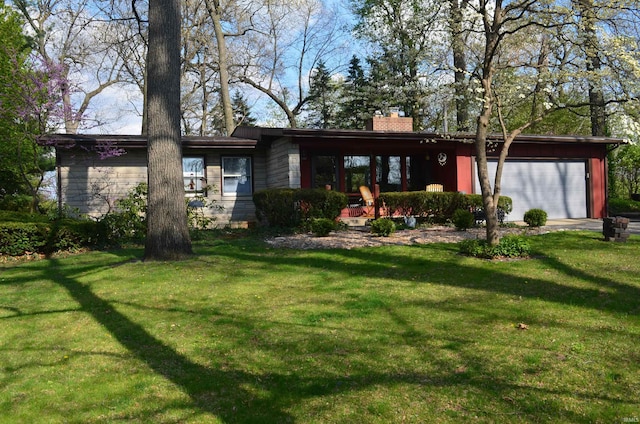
(560, 187)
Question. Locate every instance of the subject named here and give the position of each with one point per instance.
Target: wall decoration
(442, 158)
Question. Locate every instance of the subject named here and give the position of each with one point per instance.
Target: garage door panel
(559, 188)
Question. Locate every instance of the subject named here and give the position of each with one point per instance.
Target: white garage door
(558, 187)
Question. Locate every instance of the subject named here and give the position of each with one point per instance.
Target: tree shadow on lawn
(231, 394)
(424, 264)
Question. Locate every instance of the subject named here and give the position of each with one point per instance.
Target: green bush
(383, 227)
(288, 208)
(275, 207)
(437, 206)
(463, 219)
(475, 201)
(510, 246)
(321, 227)
(20, 238)
(320, 203)
(129, 220)
(618, 206)
(535, 217)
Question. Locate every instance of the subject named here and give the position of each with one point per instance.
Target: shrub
(535, 217)
(129, 220)
(321, 227)
(20, 238)
(287, 208)
(510, 246)
(437, 206)
(618, 206)
(276, 207)
(383, 227)
(463, 219)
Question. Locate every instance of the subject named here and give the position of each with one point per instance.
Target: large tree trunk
(488, 196)
(459, 64)
(213, 7)
(591, 48)
(167, 231)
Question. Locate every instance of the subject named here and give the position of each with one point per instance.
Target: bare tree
(167, 230)
(75, 34)
(285, 45)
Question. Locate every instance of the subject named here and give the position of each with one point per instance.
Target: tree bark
(213, 7)
(167, 230)
(588, 21)
(459, 64)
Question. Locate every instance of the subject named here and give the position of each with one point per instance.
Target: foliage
(463, 219)
(29, 91)
(321, 227)
(26, 234)
(354, 107)
(535, 217)
(276, 207)
(288, 208)
(322, 99)
(437, 206)
(383, 227)
(196, 217)
(320, 203)
(510, 246)
(625, 167)
(618, 206)
(129, 219)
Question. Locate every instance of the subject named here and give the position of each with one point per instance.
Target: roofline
(252, 137)
(435, 137)
(140, 141)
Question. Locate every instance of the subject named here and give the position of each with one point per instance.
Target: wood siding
(92, 186)
(283, 165)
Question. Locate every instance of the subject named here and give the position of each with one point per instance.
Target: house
(564, 175)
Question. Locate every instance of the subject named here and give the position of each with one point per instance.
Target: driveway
(588, 224)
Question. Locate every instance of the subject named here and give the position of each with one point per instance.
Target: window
(356, 173)
(389, 173)
(324, 171)
(236, 176)
(193, 174)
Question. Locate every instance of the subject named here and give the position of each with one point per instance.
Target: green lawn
(244, 333)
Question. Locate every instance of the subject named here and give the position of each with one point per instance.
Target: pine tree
(322, 99)
(241, 111)
(355, 107)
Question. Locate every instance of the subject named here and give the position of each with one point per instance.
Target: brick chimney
(393, 123)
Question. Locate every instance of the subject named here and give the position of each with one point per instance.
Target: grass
(244, 333)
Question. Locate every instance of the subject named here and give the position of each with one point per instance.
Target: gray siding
(92, 186)
(283, 165)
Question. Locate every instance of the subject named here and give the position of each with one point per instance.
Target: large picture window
(193, 174)
(389, 173)
(325, 171)
(236, 176)
(357, 173)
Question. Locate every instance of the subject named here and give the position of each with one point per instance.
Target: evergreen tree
(241, 111)
(322, 104)
(355, 108)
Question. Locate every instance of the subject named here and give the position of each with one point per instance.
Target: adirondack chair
(369, 203)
